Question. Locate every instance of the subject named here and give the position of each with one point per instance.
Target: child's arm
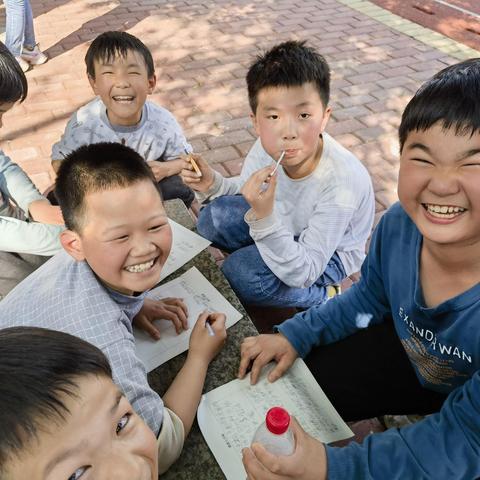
(168, 168)
(185, 392)
(23, 237)
(363, 304)
(443, 446)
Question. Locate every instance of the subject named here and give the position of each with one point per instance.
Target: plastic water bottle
(275, 433)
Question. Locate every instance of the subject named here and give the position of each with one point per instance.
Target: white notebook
(229, 415)
(185, 245)
(198, 294)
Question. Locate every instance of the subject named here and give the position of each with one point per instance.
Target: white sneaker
(25, 66)
(34, 56)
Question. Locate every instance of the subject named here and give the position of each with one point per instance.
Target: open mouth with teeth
(123, 98)
(443, 211)
(141, 267)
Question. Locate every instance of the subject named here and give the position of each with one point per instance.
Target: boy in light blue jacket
(29, 225)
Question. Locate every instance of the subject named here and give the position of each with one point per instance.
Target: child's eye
(134, 73)
(123, 422)
(107, 73)
(156, 228)
(273, 117)
(78, 473)
(422, 160)
(305, 115)
(121, 239)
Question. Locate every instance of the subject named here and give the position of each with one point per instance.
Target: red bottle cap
(277, 420)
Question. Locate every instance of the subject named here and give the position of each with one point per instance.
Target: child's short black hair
(109, 45)
(38, 368)
(289, 64)
(452, 97)
(93, 168)
(13, 83)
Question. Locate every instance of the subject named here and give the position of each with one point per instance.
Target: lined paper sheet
(229, 415)
(198, 294)
(185, 245)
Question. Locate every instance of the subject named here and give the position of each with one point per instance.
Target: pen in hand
(208, 326)
(188, 152)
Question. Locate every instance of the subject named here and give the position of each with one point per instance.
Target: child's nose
(289, 130)
(443, 183)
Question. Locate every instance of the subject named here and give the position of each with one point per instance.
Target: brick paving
(202, 50)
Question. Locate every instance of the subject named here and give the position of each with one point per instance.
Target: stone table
(197, 461)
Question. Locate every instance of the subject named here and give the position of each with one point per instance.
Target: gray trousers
(14, 267)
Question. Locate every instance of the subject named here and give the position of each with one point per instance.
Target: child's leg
(173, 187)
(15, 25)
(221, 222)
(29, 34)
(15, 267)
(369, 374)
(256, 284)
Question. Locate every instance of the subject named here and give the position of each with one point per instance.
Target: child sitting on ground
(24, 244)
(62, 417)
(121, 72)
(116, 243)
(405, 339)
(303, 228)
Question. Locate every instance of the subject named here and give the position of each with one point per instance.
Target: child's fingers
(217, 322)
(144, 324)
(178, 302)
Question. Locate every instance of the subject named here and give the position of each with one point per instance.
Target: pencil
(195, 166)
(209, 328)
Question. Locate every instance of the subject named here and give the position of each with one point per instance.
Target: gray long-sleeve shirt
(17, 192)
(65, 295)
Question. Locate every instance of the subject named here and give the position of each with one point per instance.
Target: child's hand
(307, 462)
(259, 192)
(43, 212)
(204, 346)
(166, 169)
(261, 350)
(172, 309)
(191, 178)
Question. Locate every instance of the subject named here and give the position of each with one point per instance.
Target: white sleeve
(29, 237)
(170, 440)
(256, 159)
(68, 142)
(300, 263)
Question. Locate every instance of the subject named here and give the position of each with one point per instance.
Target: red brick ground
(443, 18)
(202, 50)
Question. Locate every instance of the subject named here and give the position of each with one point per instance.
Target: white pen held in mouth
(280, 158)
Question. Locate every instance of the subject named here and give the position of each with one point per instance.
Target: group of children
(74, 398)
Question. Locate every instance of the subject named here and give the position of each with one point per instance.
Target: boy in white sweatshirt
(293, 233)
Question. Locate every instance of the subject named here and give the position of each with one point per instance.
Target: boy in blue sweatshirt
(405, 338)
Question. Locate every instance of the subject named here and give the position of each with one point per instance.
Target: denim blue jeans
(222, 222)
(19, 26)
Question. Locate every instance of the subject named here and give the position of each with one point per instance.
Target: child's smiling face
(439, 184)
(101, 438)
(123, 85)
(124, 236)
(291, 119)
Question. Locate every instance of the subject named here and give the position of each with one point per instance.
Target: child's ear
(93, 84)
(253, 118)
(326, 118)
(152, 81)
(72, 244)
